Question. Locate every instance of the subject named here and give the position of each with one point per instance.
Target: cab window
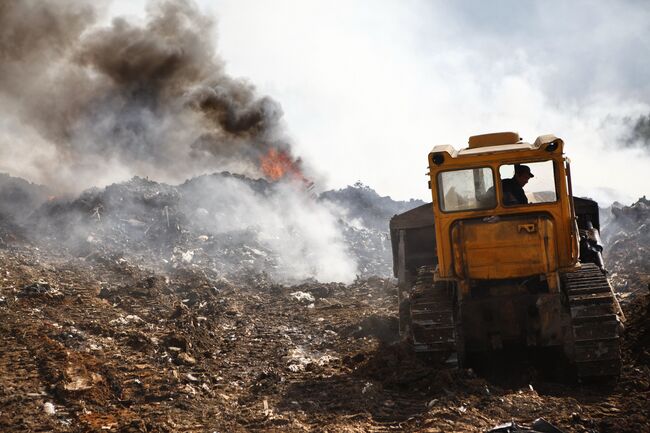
(528, 183)
(468, 189)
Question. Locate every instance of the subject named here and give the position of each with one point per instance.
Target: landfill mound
(18, 197)
(146, 307)
(362, 203)
(217, 221)
(627, 256)
(627, 248)
(364, 216)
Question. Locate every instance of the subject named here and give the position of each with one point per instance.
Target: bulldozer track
(595, 323)
(433, 328)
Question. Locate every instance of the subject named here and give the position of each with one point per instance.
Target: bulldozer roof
(498, 142)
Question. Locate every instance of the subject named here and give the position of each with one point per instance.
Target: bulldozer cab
(505, 256)
(487, 225)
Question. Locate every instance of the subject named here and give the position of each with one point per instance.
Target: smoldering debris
(229, 223)
(226, 223)
(627, 251)
(103, 103)
(364, 215)
(18, 198)
(364, 206)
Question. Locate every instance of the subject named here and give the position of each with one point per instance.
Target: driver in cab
(513, 188)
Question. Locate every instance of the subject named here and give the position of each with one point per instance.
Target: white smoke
(301, 232)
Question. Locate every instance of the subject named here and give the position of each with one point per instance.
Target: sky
(368, 87)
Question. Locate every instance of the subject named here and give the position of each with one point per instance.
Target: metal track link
(595, 322)
(433, 329)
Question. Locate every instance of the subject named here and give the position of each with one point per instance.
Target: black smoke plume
(640, 134)
(85, 104)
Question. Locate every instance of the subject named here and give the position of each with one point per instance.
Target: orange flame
(278, 164)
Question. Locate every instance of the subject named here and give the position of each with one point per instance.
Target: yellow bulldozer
(505, 255)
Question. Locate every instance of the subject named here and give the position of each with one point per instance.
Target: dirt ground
(102, 344)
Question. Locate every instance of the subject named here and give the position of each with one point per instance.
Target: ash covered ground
(208, 306)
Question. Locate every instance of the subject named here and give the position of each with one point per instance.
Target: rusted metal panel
(509, 248)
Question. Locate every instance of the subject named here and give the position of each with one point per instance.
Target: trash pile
(227, 223)
(18, 199)
(364, 206)
(627, 248)
(627, 257)
(538, 426)
(364, 216)
(224, 222)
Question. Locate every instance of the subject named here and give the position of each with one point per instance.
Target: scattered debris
(184, 358)
(38, 288)
(303, 297)
(627, 251)
(49, 409)
(120, 329)
(538, 426)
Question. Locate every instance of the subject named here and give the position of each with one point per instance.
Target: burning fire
(278, 164)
